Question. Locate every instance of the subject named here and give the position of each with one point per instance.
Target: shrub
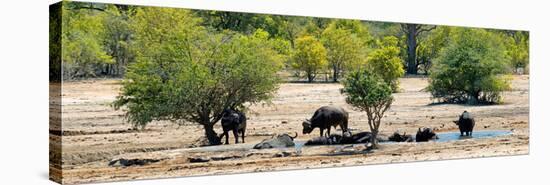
(470, 69)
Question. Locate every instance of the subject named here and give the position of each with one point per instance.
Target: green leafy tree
(431, 47)
(310, 56)
(185, 74)
(412, 32)
(517, 49)
(118, 38)
(386, 62)
(470, 70)
(369, 93)
(83, 35)
(344, 49)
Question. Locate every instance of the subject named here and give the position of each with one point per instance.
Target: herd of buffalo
(331, 116)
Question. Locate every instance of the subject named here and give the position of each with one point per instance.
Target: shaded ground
(95, 134)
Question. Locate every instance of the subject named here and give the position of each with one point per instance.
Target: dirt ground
(95, 134)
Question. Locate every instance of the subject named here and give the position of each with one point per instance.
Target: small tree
(470, 69)
(369, 93)
(309, 56)
(386, 63)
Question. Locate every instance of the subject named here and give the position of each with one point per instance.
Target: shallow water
(443, 137)
(299, 144)
(452, 136)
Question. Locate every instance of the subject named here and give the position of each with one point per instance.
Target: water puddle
(453, 136)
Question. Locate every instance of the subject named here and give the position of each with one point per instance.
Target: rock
(284, 122)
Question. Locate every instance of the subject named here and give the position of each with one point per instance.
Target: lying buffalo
(361, 137)
(396, 137)
(465, 123)
(280, 141)
(425, 134)
(323, 140)
(235, 121)
(326, 117)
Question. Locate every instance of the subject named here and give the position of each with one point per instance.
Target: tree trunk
(373, 140)
(335, 73)
(411, 49)
(310, 77)
(211, 135)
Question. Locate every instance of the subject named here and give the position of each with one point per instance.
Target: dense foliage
(369, 93)
(471, 69)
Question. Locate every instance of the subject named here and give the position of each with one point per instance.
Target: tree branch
(423, 29)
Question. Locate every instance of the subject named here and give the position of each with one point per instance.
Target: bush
(368, 93)
(470, 69)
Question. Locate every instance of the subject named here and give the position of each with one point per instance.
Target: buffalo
(280, 141)
(235, 121)
(397, 137)
(323, 140)
(465, 123)
(425, 134)
(326, 117)
(361, 137)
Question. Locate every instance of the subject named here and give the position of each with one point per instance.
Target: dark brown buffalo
(425, 134)
(396, 137)
(334, 139)
(326, 117)
(465, 123)
(235, 121)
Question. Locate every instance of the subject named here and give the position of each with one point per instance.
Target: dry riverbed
(95, 134)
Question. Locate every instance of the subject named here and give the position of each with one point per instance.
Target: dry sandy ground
(95, 134)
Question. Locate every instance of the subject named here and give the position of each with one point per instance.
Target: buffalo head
(307, 127)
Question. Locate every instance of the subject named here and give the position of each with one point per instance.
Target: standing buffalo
(324, 118)
(281, 141)
(425, 134)
(465, 123)
(235, 121)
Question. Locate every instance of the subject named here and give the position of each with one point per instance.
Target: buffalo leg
(236, 135)
(328, 131)
(226, 134)
(321, 130)
(242, 134)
